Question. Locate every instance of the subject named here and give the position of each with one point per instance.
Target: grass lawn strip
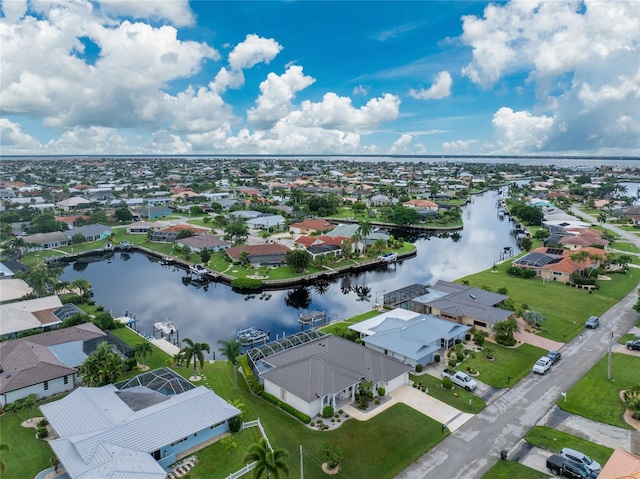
(337, 328)
(512, 470)
(577, 305)
(514, 363)
(456, 397)
(554, 440)
(597, 398)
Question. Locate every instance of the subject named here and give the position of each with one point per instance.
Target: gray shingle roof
(329, 365)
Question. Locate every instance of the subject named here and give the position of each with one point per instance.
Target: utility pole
(301, 464)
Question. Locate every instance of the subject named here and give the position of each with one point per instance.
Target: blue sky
(305, 77)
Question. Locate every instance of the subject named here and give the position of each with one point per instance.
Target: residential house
(143, 227)
(382, 200)
(95, 232)
(44, 364)
(555, 264)
(266, 222)
(39, 313)
(204, 242)
(416, 340)
(319, 225)
(581, 238)
(421, 204)
(621, 465)
(73, 203)
(326, 372)
(146, 422)
(462, 304)
(152, 212)
(263, 254)
(170, 234)
(40, 241)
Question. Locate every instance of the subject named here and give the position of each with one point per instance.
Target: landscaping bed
(553, 440)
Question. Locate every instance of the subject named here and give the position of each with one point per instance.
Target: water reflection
(207, 312)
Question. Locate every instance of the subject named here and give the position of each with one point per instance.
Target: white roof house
(29, 314)
(133, 429)
(367, 327)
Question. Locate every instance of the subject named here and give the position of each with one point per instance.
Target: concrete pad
(421, 402)
(537, 459)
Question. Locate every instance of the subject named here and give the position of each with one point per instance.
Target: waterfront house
(40, 241)
(39, 313)
(204, 242)
(170, 234)
(421, 204)
(95, 232)
(146, 422)
(555, 264)
(326, 372)
(262, 254)
(416, 340)
(44, 364)
(143, 227)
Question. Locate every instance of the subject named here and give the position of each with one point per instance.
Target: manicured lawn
(513, 363)
(511, 470)
(597, 398)
(28, 455)
(456, 397)
(623, 246)
(554, 440)
(338, 328)
(385, 455)
(564, 323)
(157, 359)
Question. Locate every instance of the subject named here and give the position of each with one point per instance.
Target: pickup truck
(559, 466)
(460, 379)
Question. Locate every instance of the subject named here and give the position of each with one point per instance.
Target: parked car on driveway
(542, 365)
(554, 356)
(593, 322)
(582, 458)
(634, 344)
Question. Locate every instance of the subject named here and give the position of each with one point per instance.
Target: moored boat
(251, 336)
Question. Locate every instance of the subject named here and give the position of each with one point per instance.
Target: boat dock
(312, 318)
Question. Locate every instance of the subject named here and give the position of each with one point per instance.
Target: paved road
(470, 451)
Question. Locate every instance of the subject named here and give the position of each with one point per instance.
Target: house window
(46, 385)
(480, 324)
(66, 379)
(283, 394)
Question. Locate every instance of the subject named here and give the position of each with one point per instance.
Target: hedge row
(246, 283)
(285, 407)
(253, 383)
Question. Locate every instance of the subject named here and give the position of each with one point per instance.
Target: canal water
(153, 292)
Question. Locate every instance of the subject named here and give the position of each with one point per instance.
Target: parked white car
(582, 459)
(542, 365)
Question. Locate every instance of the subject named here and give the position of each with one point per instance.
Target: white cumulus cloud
(14, 140)
(177, 12)
(520, 131)
(441, 88)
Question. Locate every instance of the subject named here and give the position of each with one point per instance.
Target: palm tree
(379, 245)
(268, 461)
(4, 446)
(364, 229)
(142, 349)
(632, 400)
(488, 351)
(194, 351)
(102, 367)
(43, 280)
(231, 349)
(505, 331)
(82, 285)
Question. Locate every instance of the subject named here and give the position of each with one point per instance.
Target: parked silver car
(581, 458)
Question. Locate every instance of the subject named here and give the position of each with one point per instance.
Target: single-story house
(71, 220)
(262, 254)
(348, 230)
(421, 204)
(73, 203)
(462, 304)
(266, 222)
(170, 234)
(621, 465)
(40, 313)
(416, 340)
(40, 241)
(205, 241)
(142, 227)
(152, 212)
(381, 200)
(145, 422)
(44, 364)
(311, 226)
(583, 237)
(326, 372)
(12, 289)
(95, 232)
(555, 264)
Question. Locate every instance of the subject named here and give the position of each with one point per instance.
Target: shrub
(377, 402)
(381, 391)
(453, 363)
(436, 358)
(235, 424)
(285, 407)
(327, 411)
(340, 411)
(447, 383)
(130, 363)
(459, 356)
(333, 420)
(42, 432)
(418, 368)
(43, 423)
